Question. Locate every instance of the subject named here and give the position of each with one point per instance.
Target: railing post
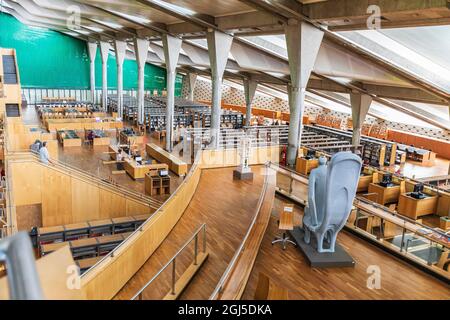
(173, 276)
(195, 249)
(403, 239)
(204, 238)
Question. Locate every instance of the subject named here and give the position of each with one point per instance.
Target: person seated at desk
(91, 136)
(119, 159)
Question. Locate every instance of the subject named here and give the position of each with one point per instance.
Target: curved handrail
(232, 265)
(27, 155)
(124, 243)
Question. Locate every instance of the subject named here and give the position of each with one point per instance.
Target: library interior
(224, 150)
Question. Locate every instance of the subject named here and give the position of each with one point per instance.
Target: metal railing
(77, 172)
(230, 138)
(411, 231)
(172, 261)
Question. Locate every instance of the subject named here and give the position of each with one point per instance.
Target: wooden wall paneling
(111, 205)
(56, 198)
(26, 183)
(85, 201)
(105, 280)
(135, 208)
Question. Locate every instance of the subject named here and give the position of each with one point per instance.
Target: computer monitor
(310, 154)
(387, 180)
(138, 159)
(418, 191)
(418, 188)
(163, 172)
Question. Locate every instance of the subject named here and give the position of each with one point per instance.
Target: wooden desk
(364, 182)
(176, 165)
(385, 195)
(305, 166)
(48, 248)
(130, 139)
(413, 208)
(137, 171)
(87, 263)
(68, 142)
(444, 223)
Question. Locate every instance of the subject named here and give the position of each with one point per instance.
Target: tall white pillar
(141, 52)
(303, 43)
(250, 86)
(104, 51)
(172, 46)
(92, 51)
(219, 45)
(360, 107)
(192, 79)
(120, 47)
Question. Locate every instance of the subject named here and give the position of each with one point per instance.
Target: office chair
(286, 223)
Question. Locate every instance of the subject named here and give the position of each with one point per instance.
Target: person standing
(119, 159)
(43, 154)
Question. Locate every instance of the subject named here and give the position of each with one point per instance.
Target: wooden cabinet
(305, 166)
(385, 195)
(413, 208)
(156, 185)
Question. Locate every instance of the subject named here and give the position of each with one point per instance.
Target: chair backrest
(342, 181)
(287, 217)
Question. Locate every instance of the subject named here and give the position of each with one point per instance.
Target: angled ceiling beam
(270, 7)
(351, 14)
(158, 28)
(201, 20)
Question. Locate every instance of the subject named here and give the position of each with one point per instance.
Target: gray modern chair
(23, 280)
(332, 190)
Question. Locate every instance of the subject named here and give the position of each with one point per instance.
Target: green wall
(49, 59)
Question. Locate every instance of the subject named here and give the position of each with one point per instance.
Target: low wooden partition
(20, 137)
(107, 277)
(175, 164)
(67, 196)
(233, 282)
(440, 147)
(82, 124)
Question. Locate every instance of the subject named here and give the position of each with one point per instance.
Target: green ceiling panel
(49, 59)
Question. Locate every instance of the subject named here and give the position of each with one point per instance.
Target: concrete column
(172, 46)
(141, 52)
(104, 52)
(250, 86)
(192, 79)
(92, 51)
(120, 47)
(219, 45)
(303, 43)
(360, 107)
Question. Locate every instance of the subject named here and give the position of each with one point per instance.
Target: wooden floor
(290, 270)
(226, 206)
(90, 159)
